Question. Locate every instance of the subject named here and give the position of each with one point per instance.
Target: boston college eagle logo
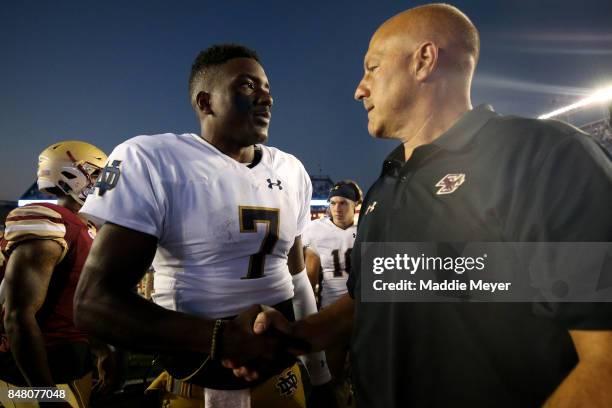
(450, 183)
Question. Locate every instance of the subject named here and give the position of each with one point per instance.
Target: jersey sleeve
(305, 197)
(128, 192)
(308, 237)
(34, 222)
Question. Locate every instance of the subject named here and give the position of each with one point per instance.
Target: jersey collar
(257, 157)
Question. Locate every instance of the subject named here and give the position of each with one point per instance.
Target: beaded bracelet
(215, 345)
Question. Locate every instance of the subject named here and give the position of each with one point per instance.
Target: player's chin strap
(304, 304)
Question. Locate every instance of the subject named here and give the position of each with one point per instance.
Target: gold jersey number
(249, 218)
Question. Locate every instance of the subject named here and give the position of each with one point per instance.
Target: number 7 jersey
(224, 229)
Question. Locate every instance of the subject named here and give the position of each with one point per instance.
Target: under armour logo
(450, 183)
(109, 177)
(277, 184)
(371, 207)
(287, 383)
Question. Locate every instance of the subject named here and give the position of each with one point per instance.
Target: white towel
(227, 398)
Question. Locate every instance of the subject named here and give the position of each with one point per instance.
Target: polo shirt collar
(466, 128)
(455, 138)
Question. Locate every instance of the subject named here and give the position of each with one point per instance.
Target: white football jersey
(333, 245)
(224, 230)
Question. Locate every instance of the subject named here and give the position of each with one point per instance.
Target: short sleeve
(305, 197)
(308, 237)
(34, 222)
(128, 192)
(569, 200)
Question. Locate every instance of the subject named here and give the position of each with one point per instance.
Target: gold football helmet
(71, 166)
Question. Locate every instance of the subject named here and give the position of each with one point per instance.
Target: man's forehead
(375, 47)
(373, 53)
(245, 67)
(388, 43)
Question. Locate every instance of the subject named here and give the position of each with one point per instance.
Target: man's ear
(202, 102)
(426, 60)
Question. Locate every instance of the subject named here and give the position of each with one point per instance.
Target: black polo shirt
(488, 178)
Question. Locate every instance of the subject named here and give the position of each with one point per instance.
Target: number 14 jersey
(224, 229)
(333, 246)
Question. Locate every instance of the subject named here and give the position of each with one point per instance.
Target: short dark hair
(214, 56)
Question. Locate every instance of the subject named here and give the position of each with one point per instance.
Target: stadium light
(319, 203)
(600, 96)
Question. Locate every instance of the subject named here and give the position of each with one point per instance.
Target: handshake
(260, 342)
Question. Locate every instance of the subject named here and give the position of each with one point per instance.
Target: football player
(328, 243)
(220, 216)
(42, 253)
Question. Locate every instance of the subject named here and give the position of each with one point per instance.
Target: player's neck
(242, 154)
(343, 224)
(69, 203)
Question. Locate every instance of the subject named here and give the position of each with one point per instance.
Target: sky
(106, 71)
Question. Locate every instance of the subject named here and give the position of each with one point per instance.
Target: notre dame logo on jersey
(287, 383)
(109, 177)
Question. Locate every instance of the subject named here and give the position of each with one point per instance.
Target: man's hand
(320, 331)
(110, 373)
(260, 342)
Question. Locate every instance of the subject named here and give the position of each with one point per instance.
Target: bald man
(464, 174)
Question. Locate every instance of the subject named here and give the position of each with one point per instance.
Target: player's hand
(110, 373)
(269, 318)
(260, 342)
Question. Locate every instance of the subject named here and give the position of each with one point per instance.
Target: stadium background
(106, 72)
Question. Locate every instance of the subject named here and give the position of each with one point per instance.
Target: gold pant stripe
(285, 390)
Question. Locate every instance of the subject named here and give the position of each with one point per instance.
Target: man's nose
(265, 98)
(362, 91)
